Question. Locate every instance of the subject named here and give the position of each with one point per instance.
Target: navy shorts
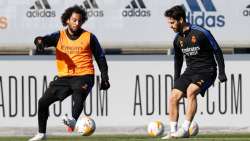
(203, 79)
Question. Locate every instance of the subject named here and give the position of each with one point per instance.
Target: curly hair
(74, 9)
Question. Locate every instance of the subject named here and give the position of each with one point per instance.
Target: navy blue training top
(199, 48)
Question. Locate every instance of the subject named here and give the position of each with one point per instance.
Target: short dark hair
(74, 9)
(176, 12)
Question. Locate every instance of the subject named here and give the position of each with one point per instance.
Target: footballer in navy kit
(200, 50)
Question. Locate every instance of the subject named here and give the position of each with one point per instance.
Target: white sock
(186, 125)
(70, 117)
(173, 126)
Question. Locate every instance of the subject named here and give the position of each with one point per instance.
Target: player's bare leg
(174, 99)
(192, 92)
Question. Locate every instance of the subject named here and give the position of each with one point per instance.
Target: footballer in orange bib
(79, 52)
(74, 50)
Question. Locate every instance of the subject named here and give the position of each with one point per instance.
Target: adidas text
(206, 20)
(246, 12)
(40, 13)
(136, 13)
(95, 13)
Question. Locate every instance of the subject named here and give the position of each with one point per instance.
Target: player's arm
(178, 60)
(101, 61)
(219, 57)
(42, 42)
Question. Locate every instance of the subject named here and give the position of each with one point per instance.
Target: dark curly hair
(74, 9)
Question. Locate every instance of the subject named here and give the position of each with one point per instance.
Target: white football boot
(69, 123)
(39, 137)
(178, 134)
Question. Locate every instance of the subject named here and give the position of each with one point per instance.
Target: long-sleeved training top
(199, 48)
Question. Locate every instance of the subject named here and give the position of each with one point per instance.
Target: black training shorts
(65, 86)
(202, 78)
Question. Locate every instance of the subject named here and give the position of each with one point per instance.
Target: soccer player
(74, 49)
(199, 48)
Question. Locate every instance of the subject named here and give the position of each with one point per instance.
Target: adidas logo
(135, 5)
(41, 8)
(207, 4)
(136, 8)
(246, 12)
(39, 5)
(92, 8)
(204, 17)
(90, 4)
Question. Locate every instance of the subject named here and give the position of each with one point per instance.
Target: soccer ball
(193, 129)
(155, 128)
(85, 126)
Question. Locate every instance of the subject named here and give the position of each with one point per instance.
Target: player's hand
(104, 85)
(39, 45)
(222, 77)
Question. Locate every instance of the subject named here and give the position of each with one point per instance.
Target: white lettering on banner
(23, 90)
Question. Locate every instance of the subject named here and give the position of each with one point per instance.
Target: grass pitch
(202, 137)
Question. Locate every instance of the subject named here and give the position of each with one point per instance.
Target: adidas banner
(136, 96)
(127, 23)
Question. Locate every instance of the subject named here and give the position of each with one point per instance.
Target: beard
(75, 31)
(175, 30)
(178, 28)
